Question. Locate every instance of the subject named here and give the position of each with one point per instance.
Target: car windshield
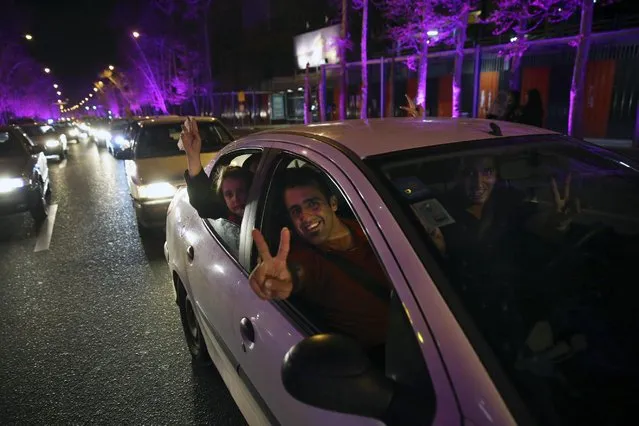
(161, 140)
(10, 146)
(119, 126)
(35, 130)
(538, 237)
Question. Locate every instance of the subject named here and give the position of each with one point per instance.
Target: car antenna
(495, 130)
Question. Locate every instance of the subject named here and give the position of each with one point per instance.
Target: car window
(230, 175)
(34, 130)
(538, 236)
(160, 140)
(10, 145)
(352, 279)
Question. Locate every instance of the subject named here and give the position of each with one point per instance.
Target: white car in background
(542, 333)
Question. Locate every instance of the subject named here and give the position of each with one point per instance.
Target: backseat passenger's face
(234, 192)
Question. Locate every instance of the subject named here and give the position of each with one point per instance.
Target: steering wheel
(576, 247)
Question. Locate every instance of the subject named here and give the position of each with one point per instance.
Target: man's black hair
(306, 176)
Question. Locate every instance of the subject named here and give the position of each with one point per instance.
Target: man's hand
(565, 207)
(192, 145)
(411, 108)
(271, 278)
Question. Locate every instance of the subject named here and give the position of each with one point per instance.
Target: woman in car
(231, 185)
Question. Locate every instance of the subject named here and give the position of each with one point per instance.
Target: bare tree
(576, 107)
(520, 17)
(363, 6)
(416, 25)
(343, 46)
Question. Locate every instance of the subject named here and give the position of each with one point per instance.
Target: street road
(89, 331)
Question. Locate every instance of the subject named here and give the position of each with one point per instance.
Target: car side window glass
(231, 179)
(344, 288)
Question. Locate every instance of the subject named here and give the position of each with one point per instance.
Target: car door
(213, 269)
(267, 330)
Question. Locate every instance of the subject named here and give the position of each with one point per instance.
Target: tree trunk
(460, 41)
(322, 93)
(307, 97)
(342, 59)
(422, 79)
(363, 114)
(514, 82)
(207, 54)
(576, 110)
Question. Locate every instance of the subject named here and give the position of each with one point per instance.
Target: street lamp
(47, 70)
(90, 95)
(432, 33)
(59, 93)
(95, 89)
(135, 34)
(28, 37)
(55, 86)
(111, 67)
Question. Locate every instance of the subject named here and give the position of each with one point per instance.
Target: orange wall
(600, 76)
(488, 89)
(536, 78)
(445, 96)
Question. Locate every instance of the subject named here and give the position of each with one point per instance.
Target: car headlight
(10, 184)
(103, 134)
(122, 142)
(52, 143)
(157, 190)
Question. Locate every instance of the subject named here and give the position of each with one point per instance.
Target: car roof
(154, 121)
(383, 135)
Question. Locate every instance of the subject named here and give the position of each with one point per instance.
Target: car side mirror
(36, 149)
(333, 372)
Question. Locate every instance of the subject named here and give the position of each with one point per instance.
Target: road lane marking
(46, 231)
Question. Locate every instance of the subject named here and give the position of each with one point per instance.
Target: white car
(511, 251)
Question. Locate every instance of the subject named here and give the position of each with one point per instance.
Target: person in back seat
(331, 267)
(231, 184)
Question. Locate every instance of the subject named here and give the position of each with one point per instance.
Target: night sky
(74, 38)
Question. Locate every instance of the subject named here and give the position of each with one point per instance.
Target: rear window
(162, 140)
(10, 146)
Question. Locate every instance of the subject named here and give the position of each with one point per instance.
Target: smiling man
(332, 269)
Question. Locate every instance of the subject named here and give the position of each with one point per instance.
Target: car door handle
(190, 253)
(247, 331)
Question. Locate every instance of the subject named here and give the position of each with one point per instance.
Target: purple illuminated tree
(343, 44)
(520, 17)
(576, 107)
(417, 25)
(168, 62)
(363, 6)
(458, 12)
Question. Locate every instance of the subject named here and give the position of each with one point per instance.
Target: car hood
(165, 169)
(12, 166)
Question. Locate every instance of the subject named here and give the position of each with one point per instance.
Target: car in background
(53, 142)
(511, 252)
(98, 130)
(24, 175)
(155, 165)
(70, 130)
(119, 138)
